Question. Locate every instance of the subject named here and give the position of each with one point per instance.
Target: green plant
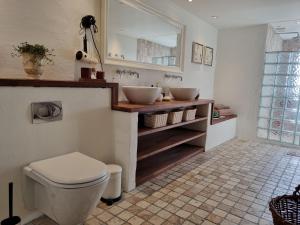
(38, 52)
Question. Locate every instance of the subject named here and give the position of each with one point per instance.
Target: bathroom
(91, 126)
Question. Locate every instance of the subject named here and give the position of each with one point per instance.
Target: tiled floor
(230, 185)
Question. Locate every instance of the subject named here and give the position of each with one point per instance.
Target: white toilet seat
(43, 180)
(73, 168)
(70, 171)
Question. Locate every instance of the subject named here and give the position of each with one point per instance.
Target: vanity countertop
(158, 106)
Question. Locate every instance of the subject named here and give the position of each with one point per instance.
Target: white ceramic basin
(141, 94)
(184, 94)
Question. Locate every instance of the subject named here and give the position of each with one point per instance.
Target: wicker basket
(156, 120)
(286, 209)
(175, 116)
(189, 114)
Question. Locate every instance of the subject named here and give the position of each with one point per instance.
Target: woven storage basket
(286, 209)
(175, 117)
(156, 120)
(189, 114)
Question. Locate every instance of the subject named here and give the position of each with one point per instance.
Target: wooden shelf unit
(158, 142)
(155, 165)
(159, 149)
(146, 131)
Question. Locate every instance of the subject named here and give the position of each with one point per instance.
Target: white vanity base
(125, 126)
(220, 133)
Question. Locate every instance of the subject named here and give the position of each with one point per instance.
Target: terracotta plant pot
(32, 66)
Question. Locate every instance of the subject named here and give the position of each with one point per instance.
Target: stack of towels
(222, 110)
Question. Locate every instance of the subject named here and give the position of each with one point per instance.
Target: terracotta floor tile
(230, 185)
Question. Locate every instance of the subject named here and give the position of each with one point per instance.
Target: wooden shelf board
(152, 167)
(145, 130)
(159, 142)
(225, 118)
(159, 106)
(37, 83)
(56, 83)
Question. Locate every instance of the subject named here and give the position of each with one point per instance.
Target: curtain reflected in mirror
(139, 35)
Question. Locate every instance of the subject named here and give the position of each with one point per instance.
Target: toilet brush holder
(11, 220)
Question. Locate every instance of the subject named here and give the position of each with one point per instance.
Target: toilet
(68, 187)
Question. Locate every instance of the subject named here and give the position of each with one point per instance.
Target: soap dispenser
(161, 96)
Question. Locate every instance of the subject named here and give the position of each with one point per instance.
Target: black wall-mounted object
(88, 22)
(11, 220)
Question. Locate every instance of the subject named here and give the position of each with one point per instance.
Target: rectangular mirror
(137, 35)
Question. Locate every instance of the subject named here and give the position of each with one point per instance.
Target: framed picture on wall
(208, 56)
(197, 53)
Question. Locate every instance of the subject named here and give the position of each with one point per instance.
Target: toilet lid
(73, 168)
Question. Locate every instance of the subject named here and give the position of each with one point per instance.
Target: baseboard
(31, 217)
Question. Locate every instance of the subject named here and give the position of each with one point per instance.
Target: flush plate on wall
(45, 112)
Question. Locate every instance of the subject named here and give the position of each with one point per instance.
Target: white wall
(125, 146)
(239, 73)
(194, 75)
(220, 133)
(86, 127)
(53, 23)
(56, 24)
(87, 119)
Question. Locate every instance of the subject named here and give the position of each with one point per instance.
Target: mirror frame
(137, 4)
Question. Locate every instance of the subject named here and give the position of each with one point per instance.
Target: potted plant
(34, 57)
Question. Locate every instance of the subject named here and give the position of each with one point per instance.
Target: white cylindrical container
(113, 191)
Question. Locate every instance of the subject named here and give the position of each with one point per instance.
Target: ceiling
(237, 13)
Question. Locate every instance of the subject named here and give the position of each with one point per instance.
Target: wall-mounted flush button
(43, 112)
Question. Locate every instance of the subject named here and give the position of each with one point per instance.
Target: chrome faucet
(171, 76)
(128, 72)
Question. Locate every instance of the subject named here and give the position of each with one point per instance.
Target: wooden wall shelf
(146, 130)
(56, 83)
(153, 166)
(64, 83)
(156, 143)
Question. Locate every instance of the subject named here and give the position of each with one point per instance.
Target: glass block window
(279, 117)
